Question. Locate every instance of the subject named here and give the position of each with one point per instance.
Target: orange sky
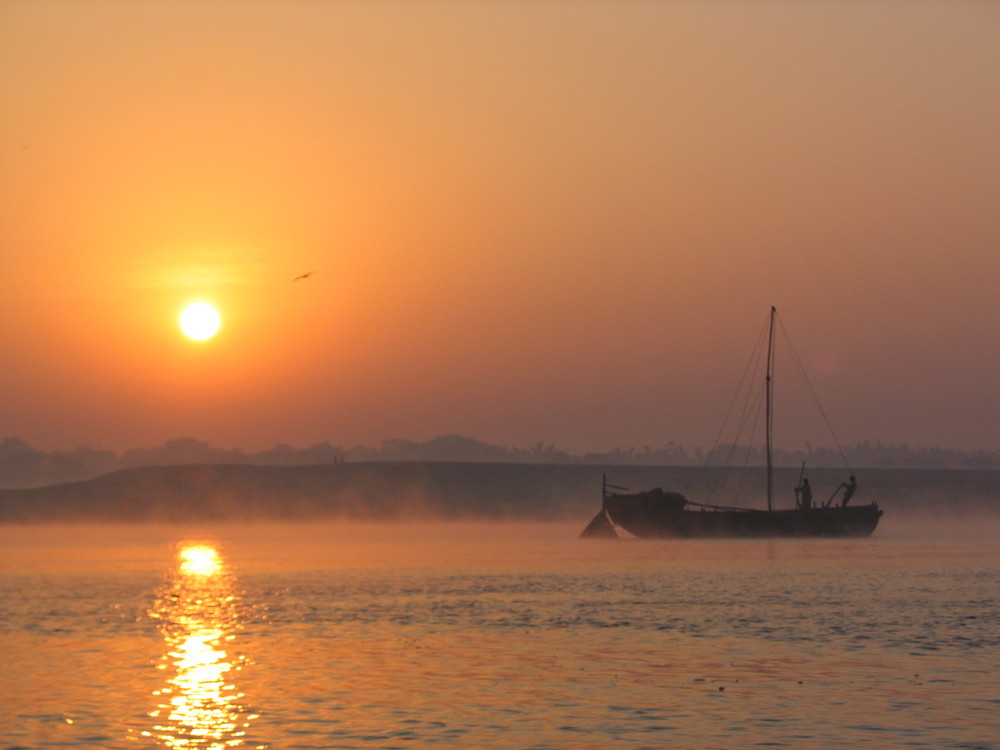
(556, 221)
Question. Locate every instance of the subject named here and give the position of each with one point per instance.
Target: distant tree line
(24, 466)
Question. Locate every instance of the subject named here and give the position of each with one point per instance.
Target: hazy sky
(558, 221)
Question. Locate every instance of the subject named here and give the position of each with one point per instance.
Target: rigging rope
(812, 392)
(751, 400)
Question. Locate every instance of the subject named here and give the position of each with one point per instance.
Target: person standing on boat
(804, 494)
(849, 487)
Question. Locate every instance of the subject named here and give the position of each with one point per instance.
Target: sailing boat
(657, 513)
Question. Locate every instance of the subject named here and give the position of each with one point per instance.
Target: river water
(499, 636)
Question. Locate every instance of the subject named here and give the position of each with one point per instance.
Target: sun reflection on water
(199, 560)
(199, 707)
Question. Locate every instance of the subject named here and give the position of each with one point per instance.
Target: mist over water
(413, 491)
(509, 635)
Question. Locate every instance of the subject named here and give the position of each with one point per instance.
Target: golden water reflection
(199, 707)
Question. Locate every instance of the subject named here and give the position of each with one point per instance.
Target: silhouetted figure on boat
(849, 487)
(804, 494)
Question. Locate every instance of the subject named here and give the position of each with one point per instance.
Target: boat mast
(769, 416)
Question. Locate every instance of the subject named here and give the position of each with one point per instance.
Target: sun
(200, 321)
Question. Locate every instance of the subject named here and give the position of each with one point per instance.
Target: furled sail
(599, 528)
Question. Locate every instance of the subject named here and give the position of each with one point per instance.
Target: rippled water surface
(499, 636)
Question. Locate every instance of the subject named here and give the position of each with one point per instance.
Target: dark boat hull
(650, 517)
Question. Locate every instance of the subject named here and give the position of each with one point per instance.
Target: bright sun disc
(200, 321)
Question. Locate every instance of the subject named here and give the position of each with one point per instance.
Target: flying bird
(303, 276)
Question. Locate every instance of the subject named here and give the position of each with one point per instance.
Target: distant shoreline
(387, 490)
(22, 466)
